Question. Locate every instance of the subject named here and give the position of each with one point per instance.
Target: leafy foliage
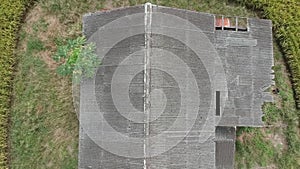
(10, 17)
(78, 59)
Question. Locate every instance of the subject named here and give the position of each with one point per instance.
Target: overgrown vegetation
(10, 16)
(44, 127)
(253, 149)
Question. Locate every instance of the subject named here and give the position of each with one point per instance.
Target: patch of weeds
(267, 151)
(34, 45)
(241, 130)
(40, 25)
(69, 11)
(59, 41)
(254, 150)
(271, 113)
(119, 3)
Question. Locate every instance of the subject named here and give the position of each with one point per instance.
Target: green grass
(34, 45)
(289, 115)
(44, 129)
(254, 150)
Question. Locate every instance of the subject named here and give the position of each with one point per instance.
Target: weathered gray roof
(245, 56)
(225, 147)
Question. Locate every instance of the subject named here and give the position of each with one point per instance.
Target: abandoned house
(172, 87)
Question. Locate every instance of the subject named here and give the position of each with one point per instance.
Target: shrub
(78, 59)
(11, 12)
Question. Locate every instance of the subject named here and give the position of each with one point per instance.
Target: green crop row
(11, 12)
(285, 15)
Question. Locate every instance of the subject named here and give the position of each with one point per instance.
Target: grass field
(44, 126)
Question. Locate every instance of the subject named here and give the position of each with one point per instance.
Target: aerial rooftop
(172, 87)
